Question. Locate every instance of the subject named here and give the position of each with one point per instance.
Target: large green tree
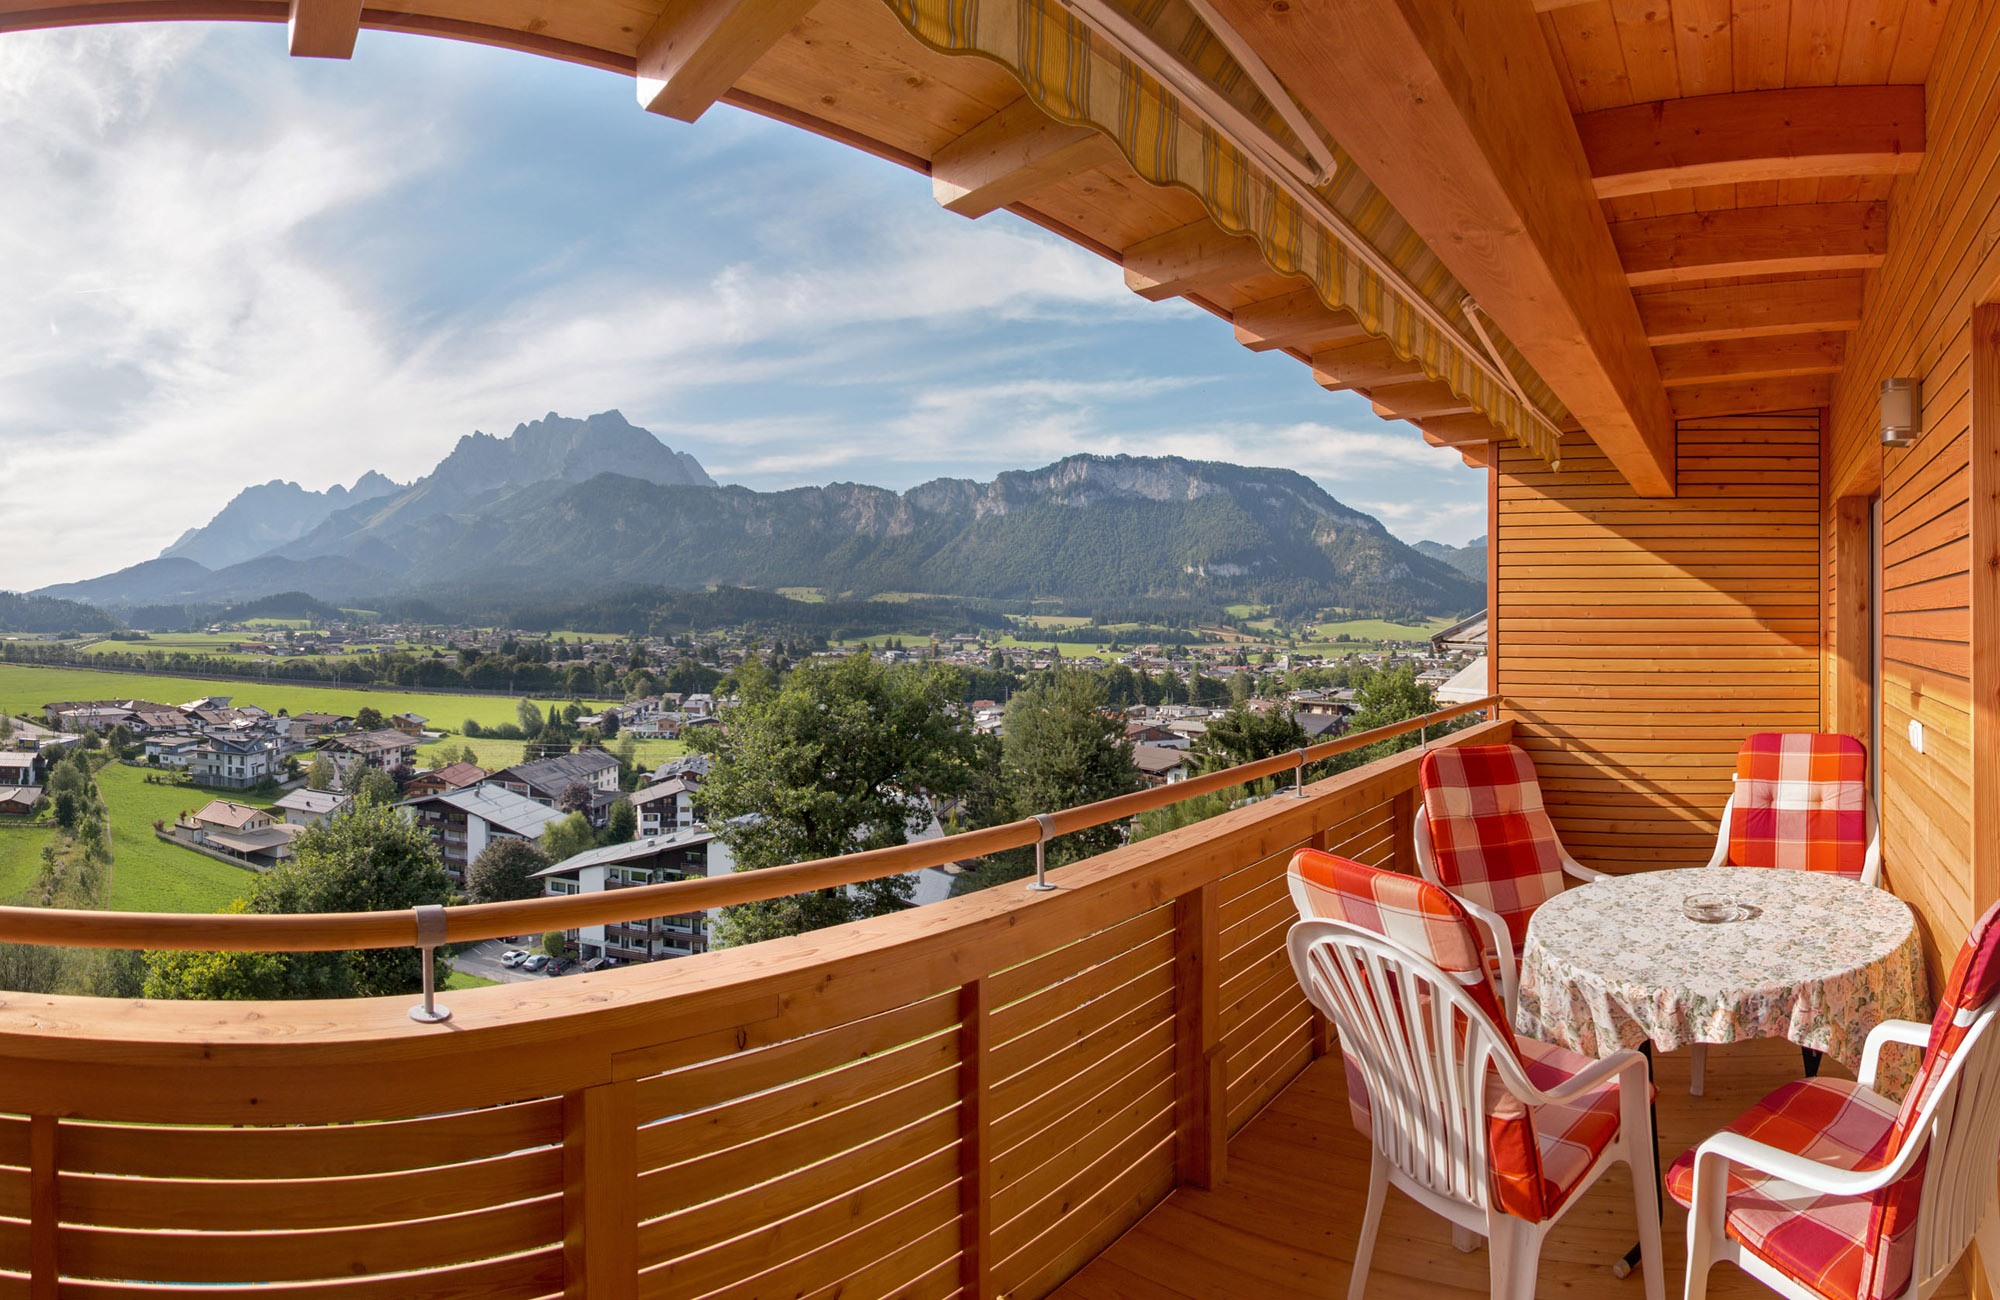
(843, 756)
(1061, 746)
(505, 870)
(1240, 736)
(372, 860)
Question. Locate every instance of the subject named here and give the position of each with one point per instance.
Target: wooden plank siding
(1644, 640)
(1943, 258)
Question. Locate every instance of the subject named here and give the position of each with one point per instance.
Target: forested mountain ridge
(1090, 528)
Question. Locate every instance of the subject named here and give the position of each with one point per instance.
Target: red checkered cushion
(1801, 802)
(1850, 1247)
(1490, 836)
(1404, 909)
(1826, 1242)
(1536, 1154)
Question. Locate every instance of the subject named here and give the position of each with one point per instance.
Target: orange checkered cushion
(1490, 835)
(1801, 802)
(1536, 1154)
(1826, 1242)
(1849, 1247)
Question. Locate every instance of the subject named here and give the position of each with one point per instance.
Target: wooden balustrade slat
(1023, 1121)
(719, 1173)
(269, 1204)
(929, 1184)
(527, 1276)
(1140, 1101)
(158, 1151)
(1088, 1227)
(1152, 987)
(1030, 977)
(925, 1269)
(714, 1219)
(1149, 1134)
(856, 1255)
(1060, 1070)
(1403, 820)
(714, 1082)
(597, 1213)
(223, 1257)
(747, 1119)
(1084, 983)
(1081, 1116)
(1265, 1079)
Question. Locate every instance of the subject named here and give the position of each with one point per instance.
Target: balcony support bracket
(430, 933)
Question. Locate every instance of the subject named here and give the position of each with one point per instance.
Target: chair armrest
(1591, 1076)
(1502, 941)
(1915, 1033)
(1577, 871)
(1734, 1148)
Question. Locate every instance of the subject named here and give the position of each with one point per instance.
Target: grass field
(25, 688)
(1375, 629)
(459, 979)
(151, 875)
(20, 860)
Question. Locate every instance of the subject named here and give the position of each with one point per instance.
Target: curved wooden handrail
(473, 922)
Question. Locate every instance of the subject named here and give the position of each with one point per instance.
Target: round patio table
(1819, 960)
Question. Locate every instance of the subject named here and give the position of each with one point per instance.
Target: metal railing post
(1299, 773)
(430, 933)
(1048, 828)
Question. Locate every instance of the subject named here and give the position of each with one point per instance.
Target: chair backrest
(1491, 838)
(1395, 963)
(1921, 1223)
(1801, 802)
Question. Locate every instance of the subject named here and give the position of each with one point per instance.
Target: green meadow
(20, 858)
(149, 874)
(25, 688)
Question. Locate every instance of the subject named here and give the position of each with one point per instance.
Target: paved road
(484, 961)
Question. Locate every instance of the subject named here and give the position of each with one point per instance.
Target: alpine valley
(568, 506)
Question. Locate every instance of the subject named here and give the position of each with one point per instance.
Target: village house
(239, 831)
(1160, 764)
(174, 750)
(464, 822)
(384, 750)
(233, 763)
(410, 724)
(666, 807)
(649, 860)
(454, 776)
(313, 807)
(545, 779)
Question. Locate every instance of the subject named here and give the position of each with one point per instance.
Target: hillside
(1469, 559)
(270, 514)
(536, 514)
(38, 614)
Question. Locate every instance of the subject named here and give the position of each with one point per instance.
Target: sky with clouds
(223, 265)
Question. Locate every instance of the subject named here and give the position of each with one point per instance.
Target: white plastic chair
(1430, 1058)
(1958, 1124)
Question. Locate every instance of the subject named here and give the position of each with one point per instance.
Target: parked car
(534, 963)
(512, 957)
(556, 966)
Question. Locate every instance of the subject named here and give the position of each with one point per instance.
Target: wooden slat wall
(1642, 640)
(1916, 320)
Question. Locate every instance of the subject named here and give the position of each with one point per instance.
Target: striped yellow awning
(1337, 232)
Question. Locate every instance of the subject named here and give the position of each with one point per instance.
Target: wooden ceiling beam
(323, 29)
(1298, 317)
(1458, 430)
(1365, 364)
(1803, 133)
(1190, 259)
(1456, 113)
(697, 49)
(1417, 401)
(1790, 238)
(1012, 154)
(1740, 311)
(1736, 360)
(1752, 398)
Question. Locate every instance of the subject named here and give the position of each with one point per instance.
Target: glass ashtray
(1712, 909)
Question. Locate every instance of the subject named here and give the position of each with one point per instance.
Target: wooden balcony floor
(1285, 1219)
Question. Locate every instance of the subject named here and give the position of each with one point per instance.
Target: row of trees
(853, 755)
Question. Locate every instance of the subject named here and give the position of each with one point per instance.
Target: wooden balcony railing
(968, 1098)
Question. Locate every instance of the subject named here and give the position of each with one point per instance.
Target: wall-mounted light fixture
(1902, 411)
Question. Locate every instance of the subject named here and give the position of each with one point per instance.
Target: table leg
(1630, 1261)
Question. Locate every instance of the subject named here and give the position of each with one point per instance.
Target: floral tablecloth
(1821, 961)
